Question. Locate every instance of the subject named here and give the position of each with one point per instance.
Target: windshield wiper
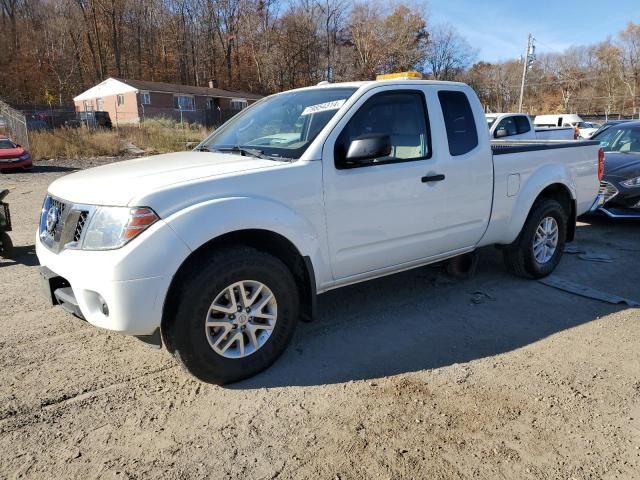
(249, 151)
(202, 148)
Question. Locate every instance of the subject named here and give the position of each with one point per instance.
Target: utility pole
(528, 60)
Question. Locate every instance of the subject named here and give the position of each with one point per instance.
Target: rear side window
(459, 122)
(522, 124)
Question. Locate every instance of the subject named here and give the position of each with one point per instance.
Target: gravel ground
(411, 376)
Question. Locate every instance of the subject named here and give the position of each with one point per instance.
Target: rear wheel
(539, 247)
(235, 316)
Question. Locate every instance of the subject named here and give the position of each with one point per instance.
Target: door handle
(432, 178)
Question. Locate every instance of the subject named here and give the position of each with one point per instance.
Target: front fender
(203, 222)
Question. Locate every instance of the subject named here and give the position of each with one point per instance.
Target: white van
(559, 120)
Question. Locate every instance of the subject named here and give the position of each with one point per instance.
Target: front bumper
(616, 201)
(615, 212)
(16, 165)
(121, 290)
(598, 202)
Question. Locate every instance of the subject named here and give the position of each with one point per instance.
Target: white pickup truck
(518, 126)
(218, 252)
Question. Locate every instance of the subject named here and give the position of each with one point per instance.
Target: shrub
(74, 143)
(154, 136)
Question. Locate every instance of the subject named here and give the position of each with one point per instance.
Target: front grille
(608, 191)
(62, 224)
(62, 207)
(82, 220)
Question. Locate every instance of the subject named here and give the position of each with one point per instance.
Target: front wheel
(236, 314)
(539, 247)
(6, 245)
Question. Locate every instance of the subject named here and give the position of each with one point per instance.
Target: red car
(13, 156)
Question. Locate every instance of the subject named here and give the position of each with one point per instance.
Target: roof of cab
(371, 83)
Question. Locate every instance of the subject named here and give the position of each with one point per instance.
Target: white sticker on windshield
(323, 107)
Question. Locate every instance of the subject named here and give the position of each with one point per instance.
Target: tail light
(600, 163)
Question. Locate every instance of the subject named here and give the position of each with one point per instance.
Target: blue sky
(499, 29)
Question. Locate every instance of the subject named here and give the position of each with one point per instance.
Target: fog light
(103, 306)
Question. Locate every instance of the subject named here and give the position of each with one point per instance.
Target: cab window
(506, 128)
(514, 125)
(400, 116)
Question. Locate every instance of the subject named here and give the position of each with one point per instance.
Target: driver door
(387, 211)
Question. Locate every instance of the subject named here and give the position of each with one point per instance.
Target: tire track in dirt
(28, 416)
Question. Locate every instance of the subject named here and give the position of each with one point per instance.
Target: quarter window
(459, 122)
(399, 115)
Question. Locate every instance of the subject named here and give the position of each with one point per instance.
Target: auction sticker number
(323, 107)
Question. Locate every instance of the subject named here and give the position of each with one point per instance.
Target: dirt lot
(412, 376)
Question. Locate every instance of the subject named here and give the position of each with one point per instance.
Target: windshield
(282, 126)
(619, 139)
(6, 144)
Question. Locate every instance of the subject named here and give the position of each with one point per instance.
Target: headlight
(632, 182)
(24, 156)
(113, 227)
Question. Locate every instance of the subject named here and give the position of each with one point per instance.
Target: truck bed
(522, 168)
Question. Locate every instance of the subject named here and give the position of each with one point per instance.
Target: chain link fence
(205, 117)
(14, 124)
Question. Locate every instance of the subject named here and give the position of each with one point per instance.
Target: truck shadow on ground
(40, 168)
(421, 320)
(21, 255)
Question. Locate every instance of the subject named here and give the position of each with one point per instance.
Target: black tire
(519, 256)
(464, 266)
(203, 282)
(6, 245)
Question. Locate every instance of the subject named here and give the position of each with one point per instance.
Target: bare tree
(447, 53)
(630, 51)
(609, 71)
(365, 27)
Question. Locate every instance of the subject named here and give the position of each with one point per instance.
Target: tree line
(54, 49)
(602, 78)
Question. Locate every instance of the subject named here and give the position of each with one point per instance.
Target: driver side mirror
(368, 147)
(501, 132)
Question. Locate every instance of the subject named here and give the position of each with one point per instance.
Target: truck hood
(120, 183)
